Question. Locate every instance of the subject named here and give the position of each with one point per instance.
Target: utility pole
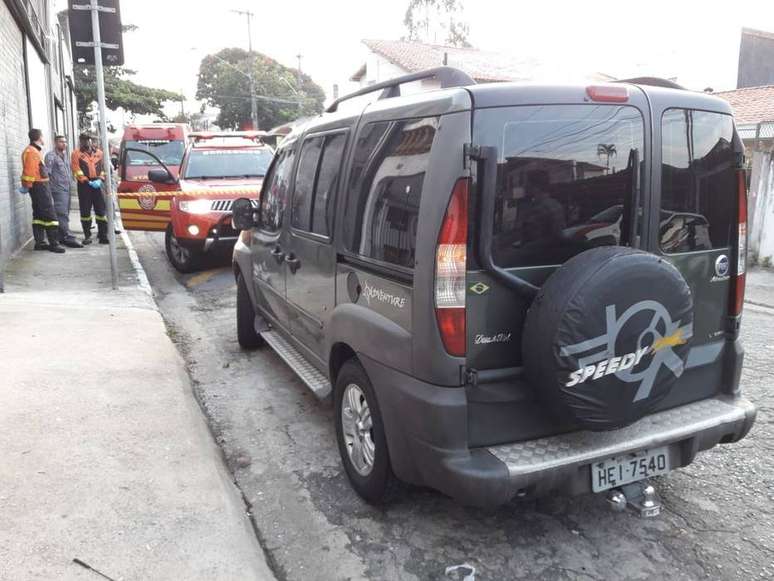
(95, 9)
(298, 71)
(253, 101)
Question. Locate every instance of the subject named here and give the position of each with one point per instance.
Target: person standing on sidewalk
(89, 171)
(60, 178)
(34, 182)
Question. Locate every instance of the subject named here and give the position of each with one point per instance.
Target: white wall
(761, 204)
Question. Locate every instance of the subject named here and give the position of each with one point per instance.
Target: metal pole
(108, 191)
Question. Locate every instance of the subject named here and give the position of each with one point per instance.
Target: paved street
(279, 443)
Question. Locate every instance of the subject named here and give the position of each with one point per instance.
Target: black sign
(110, 32)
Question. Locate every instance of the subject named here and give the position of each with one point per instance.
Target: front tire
(360, 434)
(184, 259)
(245, 315)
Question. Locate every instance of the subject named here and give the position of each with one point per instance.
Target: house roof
(483, 66)
(751, 104)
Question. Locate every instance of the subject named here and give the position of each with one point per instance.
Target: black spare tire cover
(607, 336)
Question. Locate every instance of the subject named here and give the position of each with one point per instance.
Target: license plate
(630, 468)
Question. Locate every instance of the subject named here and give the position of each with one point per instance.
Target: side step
(308, 373)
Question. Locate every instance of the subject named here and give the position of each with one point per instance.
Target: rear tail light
(450, 267)
(738, 279)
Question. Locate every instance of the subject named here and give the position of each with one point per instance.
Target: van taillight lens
(450, 266)
(608, 93)
(739, 279)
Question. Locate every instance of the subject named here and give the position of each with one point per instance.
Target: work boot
(87, 240)
(72, 243)
(53, 240)
(102, 230)
(40, 237)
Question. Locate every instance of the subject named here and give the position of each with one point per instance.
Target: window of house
(698, 181)
(385, 185)
(275, 190)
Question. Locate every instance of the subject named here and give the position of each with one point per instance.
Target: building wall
(15, 214)
(380, 69)
(756, 59)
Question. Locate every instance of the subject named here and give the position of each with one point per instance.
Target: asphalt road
(279, 443)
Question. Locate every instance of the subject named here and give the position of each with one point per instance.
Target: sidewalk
(759, 289)
(104, 453)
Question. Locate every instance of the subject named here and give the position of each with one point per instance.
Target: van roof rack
(653, 82)
(448, 76)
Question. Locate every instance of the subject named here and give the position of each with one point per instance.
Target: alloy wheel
(357, 427)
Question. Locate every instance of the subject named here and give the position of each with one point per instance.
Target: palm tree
(607, 150)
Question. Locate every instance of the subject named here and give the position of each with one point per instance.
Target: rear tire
(245, 317)
(360, 434)
(184, 259)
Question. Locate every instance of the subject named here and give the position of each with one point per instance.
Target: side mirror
(243, 214)
(160, 176)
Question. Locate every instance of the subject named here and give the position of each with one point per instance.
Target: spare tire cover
(607, 336)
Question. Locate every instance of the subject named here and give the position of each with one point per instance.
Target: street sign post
(82, 36)
(108, 7)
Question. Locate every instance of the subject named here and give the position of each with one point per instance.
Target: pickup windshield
(565, 178)
(170, 152)
(228, 163)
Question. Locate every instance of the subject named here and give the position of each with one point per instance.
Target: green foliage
(224, 82)
(436, 21)
(119, 92)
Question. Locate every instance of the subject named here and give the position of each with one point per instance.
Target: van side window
(565, 178)
(327, 180)
(301, 212)
(698, 181)
(275, 191)
(316, 180)
(385, 189)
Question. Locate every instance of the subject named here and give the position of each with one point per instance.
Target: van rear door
(695, 225)
(568, 174)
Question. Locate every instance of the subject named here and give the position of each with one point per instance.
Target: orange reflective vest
(33, 168)
(87, 165)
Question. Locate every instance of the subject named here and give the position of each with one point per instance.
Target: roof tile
(751, 104)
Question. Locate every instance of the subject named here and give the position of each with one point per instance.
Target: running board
(308, 373)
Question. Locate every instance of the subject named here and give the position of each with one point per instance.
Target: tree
(435, 21)
(119, 91)
(282, 94)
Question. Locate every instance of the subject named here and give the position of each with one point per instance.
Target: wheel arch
(340, 353)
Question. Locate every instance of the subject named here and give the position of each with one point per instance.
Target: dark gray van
(508, 289)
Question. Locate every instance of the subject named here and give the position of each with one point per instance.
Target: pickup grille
(221, 205)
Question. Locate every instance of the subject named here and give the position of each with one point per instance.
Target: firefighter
(89, 171)
(35, 183)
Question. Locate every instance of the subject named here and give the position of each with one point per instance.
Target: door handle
(293, 262)
(277, 253)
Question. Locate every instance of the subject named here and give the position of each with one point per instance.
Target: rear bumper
(426, 429)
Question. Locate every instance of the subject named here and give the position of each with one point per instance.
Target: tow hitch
(641, 497)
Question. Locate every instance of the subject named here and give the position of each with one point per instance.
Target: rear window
(170, 152)
(565, 178)
(228, 163)
(386, 180)
(698, 181)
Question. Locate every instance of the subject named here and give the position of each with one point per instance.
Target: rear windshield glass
(170, 152)
(228, 163)
(698, 181)
(565, 178)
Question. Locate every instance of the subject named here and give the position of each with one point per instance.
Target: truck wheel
(245, 315)
(360, 433)
(184, 259)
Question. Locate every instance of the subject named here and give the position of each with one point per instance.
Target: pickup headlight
(195, 206)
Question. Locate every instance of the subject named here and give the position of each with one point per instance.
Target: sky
(693, 40)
